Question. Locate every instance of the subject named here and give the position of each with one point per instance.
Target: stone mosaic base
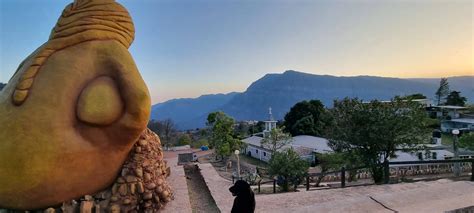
(141, 186)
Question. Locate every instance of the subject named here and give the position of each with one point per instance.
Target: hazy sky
(194, 47)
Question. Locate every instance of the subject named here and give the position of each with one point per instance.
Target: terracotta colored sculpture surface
(140, 187)
(73, 110)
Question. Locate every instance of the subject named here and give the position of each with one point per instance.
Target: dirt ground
(172, 154)
(200, 197)
(220, 166)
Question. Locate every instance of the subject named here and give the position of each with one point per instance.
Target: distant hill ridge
(281, 91)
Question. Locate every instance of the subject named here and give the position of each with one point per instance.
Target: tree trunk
(320, 178)
(377, 174)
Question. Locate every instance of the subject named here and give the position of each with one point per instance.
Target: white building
(269, 124)
(457, 123)
(442, 112)
(431, 152)
(304, 145)
(255, 149)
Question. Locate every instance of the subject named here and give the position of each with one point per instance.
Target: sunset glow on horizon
(190, 48)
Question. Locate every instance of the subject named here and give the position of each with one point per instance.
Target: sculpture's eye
(100, 102)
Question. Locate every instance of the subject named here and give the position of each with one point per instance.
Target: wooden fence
(432, 167)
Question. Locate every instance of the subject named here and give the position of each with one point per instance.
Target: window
(256, 151)
(420, 156)
(264, 154)
(434, 155)
(427, 155)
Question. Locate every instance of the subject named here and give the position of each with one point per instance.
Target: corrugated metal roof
(463, 120)
(316, 144)
(253, 140)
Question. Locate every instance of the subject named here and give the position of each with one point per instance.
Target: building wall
(258, 153)
(448, 126)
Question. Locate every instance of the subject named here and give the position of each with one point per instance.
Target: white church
(304, 145)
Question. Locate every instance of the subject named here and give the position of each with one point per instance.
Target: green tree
(306, 118)
(329, 162)
(185, 139)
(256, 128)
(288, 167)
(374, 131)
(470, 108)
(200, 143)
(467, 141)
(241, 130)
(414, 96)
(443, 90)
(276, 140)
(454, 98)
(221, 134)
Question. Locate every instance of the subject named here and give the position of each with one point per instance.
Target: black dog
(245, 199)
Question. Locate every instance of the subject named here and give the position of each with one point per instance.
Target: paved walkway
(218, 186)
(432, 196)
(435, 196)
(177, 180)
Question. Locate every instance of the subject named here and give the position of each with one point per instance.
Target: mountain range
(282, 91)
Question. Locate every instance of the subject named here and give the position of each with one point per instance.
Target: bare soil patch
(199, 194)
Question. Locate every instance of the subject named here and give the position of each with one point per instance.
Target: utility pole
(237, 152)
(457, 169)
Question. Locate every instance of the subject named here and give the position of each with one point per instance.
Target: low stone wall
(406, 171)
(218, 186)
(177, 181)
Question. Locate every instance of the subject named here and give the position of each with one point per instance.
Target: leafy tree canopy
(467, 141)
(306, 118)
(288, 167)
(414, 96)
(442, 91)
(454, 98)
(374, 131)
(276, 140)
(185, 139)
(222, 133)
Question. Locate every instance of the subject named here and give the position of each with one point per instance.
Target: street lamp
(237, 152)
(457, 169)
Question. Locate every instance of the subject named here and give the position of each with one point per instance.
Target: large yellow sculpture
(73, 110)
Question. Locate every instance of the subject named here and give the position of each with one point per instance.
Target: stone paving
(432, 196)
(177, 181)
(218, 186)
